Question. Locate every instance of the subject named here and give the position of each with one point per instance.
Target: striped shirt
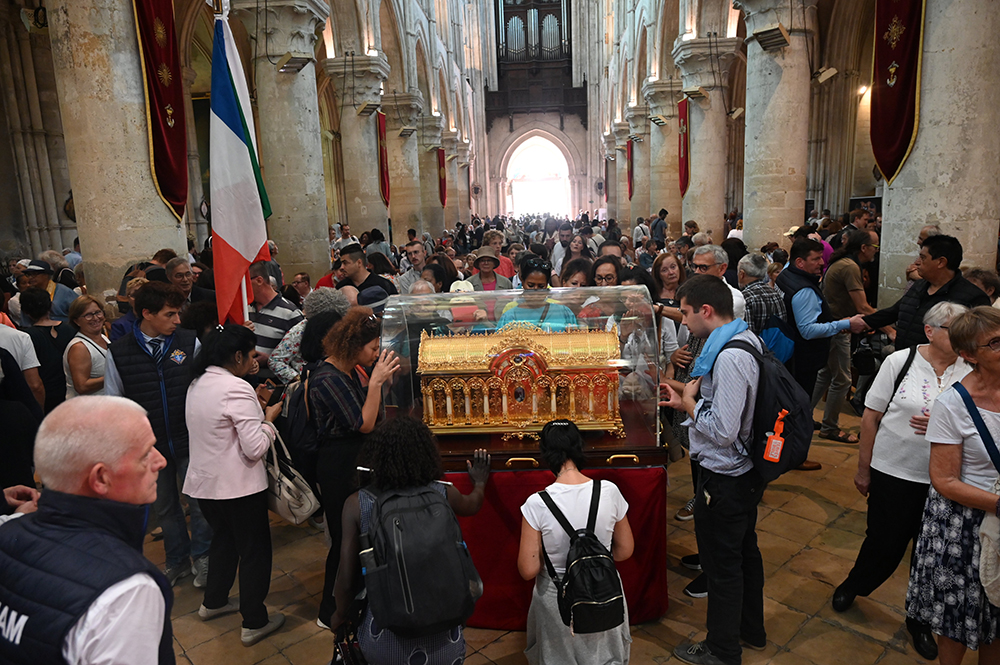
(271, 322)
(723, 418)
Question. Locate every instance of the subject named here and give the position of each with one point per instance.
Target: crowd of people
(150, 401)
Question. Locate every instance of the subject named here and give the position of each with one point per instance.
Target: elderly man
(714, 261)
(179, 274)
(40, 277)
(74, 584)
(762, 300)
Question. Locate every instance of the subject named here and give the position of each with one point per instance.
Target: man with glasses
(844, 290)
(940, 281)
(714, 261)
(179, 274)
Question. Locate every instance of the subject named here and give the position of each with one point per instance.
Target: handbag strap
(902, 375)
(977, 418)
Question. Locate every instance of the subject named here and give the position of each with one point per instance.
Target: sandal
(841, 437)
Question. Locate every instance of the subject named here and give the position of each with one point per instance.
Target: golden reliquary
(520, 377)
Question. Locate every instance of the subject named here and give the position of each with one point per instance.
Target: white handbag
(989, 553)
(288, 493)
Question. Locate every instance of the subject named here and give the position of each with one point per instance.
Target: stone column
(451, 214)
(776, 159)
(463, 182)
(289, 137)
(197, 224)
(950, 177)
(432, 212)
(404, 162)
(119, 217)
(611, 182)
(624, 204)
(664, 157)
(358, 83)
(706, 66)
(638, 123)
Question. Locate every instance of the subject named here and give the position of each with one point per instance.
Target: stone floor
(810, 527)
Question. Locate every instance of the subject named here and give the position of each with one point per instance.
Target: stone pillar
(197, 224)
(664, 157)
(706, 66)
(611, 182)
(624, 204)
(451, 214)
(638, 123)
(289, 136)
(778, 92)
(463, 182)
(950, 177)
(432, 212)
(404, 162)
(119, 217)
(358, 83)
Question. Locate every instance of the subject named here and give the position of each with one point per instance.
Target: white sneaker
(251, 636)
(200, 571)
(230, 607)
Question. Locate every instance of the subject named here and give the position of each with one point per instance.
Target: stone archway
(538, 179)
(501, 156)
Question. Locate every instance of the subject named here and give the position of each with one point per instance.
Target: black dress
(50, 348)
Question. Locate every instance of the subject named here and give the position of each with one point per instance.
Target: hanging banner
(683, 146)
(383, 158)
(606, 179)
(442, 179)
(161, 73)
(895, 110)
(628, 166)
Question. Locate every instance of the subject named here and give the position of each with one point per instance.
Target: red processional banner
(383, 158)
(684, 152)
(161, 73)
(895, 110)
(442, 179)
(628, 162)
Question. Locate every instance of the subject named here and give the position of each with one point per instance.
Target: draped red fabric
(493, 536)
(383, 158)
(442, 179)
(628, 157)
(154, 25)
(683, 146)
(895, 110)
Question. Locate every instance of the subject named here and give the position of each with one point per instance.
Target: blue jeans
(178, 547)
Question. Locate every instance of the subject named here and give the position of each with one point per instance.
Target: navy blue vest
(158, 385)
(56, 562)
(808, 351)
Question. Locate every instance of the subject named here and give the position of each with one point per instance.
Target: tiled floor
(811, 525)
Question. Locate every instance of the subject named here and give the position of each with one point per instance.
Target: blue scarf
(713, 345)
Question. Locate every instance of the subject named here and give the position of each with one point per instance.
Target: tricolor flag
(239, 202)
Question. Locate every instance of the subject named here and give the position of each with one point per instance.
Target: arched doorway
(538, 178)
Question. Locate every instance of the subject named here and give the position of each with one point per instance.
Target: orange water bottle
(772, 451)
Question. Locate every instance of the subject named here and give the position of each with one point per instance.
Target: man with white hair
(762, 300)
(713, 260)
(74, 585)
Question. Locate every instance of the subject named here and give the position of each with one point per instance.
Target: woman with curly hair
(344, 411)
(402, 454)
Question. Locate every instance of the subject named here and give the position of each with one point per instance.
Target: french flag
(239, 202)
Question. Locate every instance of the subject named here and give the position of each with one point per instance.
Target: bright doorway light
(539, 179)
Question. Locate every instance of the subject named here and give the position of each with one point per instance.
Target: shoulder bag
(288, 493)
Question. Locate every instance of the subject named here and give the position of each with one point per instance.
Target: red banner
(895, 111)
(684, 146)
(442, 179)
(383, 158)
(628, 162)
(154, 26)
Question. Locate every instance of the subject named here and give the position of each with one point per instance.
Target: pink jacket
(228, 438)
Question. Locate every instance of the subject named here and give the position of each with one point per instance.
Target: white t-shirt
(899, 451)
(574, 502)
(19, 345)
(739, 302)
(951, 424)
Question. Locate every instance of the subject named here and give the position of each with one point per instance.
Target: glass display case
(488, 369)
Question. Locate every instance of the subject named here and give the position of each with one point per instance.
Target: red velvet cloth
(494, 534)
(442, 179)
(383, 158)
(683, 145)
(154, 20)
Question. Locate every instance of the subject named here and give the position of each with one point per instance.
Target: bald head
(85, 445)
(351, 293)
(420, 287)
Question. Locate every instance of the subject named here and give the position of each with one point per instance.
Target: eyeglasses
(605, 278)
(994, 345)
(90, 316)
(703, 267)
(871, 245)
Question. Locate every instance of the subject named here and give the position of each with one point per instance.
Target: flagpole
(246, 306)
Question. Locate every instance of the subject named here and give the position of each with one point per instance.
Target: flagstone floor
(810, 527)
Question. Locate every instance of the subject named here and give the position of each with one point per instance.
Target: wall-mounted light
(862, 90)
(736, 113)
(292, 63)
(772, 38)
(659, 120)
(825, 74)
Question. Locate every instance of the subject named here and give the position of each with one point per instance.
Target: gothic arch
(507, 148)
(392, 46)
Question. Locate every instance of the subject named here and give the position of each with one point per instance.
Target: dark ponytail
(561, 441)
(220, 345)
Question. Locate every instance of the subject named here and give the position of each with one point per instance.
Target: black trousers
(241, 538)
(895, 512)
(336, 472)
(725, 519)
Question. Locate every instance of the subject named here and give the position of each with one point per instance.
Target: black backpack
(419, 574)
(296, 426)
(591, 599)
(779, 398)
